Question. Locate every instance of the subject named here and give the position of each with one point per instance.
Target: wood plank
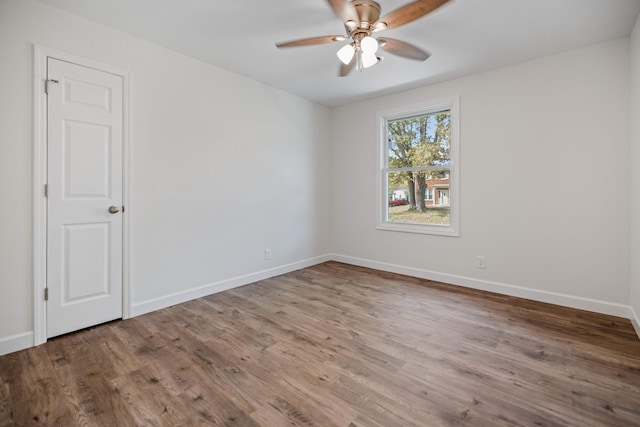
(335, 345)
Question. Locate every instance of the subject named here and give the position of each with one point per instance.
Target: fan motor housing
(368, 12)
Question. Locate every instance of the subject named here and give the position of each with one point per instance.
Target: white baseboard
(16, 342)
(581, 303)
(223, 285)
(635, 321)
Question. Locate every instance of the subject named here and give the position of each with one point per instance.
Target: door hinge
(46, 190)
(123, 209)
(46, 84)
(46, 294)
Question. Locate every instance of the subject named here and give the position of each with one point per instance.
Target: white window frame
(433, 106)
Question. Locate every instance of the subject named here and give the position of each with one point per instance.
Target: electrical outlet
(481, 262)
(267, 254)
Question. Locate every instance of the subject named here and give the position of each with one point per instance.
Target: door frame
(40, 55)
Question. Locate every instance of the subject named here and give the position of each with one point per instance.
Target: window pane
(420, 141)
(419, 197)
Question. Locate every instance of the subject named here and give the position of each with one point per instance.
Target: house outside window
(419, 149)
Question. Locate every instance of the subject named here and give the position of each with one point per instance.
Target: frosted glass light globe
(369, 59)
(345, 54)
(369, 45)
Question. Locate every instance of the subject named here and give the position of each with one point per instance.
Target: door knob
(114, 209)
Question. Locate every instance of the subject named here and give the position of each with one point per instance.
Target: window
(429, 194)
(419, 158)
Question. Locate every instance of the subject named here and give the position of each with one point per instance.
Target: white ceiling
(464, 37)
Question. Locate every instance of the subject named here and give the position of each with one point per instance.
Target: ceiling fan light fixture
(345, 54)
(369, 59)
(369, 45)
(380, 26)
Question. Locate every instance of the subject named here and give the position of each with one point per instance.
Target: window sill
(436, 230)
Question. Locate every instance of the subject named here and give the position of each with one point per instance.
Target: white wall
(635, 173)
(544, 181)
(223, 166)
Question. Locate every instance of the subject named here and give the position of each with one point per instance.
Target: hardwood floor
(335, 345)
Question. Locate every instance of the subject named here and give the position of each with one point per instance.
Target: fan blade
(344, 9)
(410, 12)
(403, 49)
(346, 68)
(311, 41)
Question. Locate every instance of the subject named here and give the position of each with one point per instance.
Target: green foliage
(420, 141)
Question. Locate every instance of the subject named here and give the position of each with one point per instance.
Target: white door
(84, 162)
(444, 197)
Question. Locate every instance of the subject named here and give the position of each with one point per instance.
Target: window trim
(453, 229)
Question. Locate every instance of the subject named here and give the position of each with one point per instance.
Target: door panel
(85, 262)
(84, 240)
(87, 149)
(87, 94)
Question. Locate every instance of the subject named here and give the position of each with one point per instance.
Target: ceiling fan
(362, 19)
